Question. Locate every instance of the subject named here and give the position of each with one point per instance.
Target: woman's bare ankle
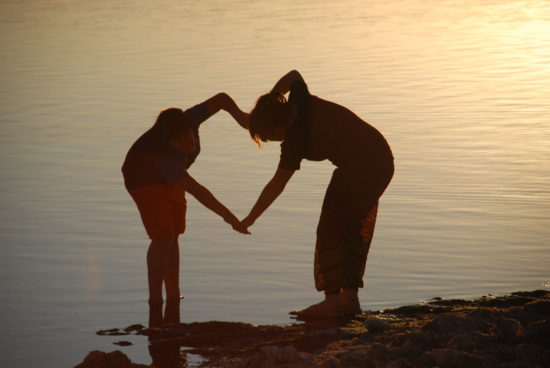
(349, 294)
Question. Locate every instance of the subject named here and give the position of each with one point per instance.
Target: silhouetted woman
(316, 129)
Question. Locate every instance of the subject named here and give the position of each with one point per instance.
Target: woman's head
(173, 130)
(270, 118)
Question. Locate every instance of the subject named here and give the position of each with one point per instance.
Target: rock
(449, 358)
(417, 339)
(455, 322)
(502, 351)
(426, 360)
(532, 294)
(273, 356)
(541, 307)
(408, 350)
(482, 339)
(330, 362)
(123, 343)
(462, 342)
(353, 359)
(400, 363)
(353, 328)
(517, 364)
(446, 323)
(538, 332)
(136, 327)
(529, 352)
(507, 329)
(111, 332)
(377, 351)
(411, 310)
(450, 302)
(377, 325)
(100, 359)
(505, 302)
(518, 313)
(94, 359)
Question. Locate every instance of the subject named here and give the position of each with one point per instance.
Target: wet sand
(506, 331)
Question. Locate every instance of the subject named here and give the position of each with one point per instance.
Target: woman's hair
(271, 111)
(171, 123)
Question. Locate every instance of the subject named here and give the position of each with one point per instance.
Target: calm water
(461, 93)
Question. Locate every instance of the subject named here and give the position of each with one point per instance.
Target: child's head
(270, 118)
(174, 132)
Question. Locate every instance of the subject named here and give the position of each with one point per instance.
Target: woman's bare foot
(349, 302)
(328, 308)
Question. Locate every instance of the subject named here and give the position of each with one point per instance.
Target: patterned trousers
(346, 227)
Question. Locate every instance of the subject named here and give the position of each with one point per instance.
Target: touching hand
(236, 224)
(245, 224)
(240, 228)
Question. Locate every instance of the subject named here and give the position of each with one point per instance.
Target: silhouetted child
(156, 176)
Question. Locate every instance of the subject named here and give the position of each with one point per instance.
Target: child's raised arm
(204, 196)
(222, 101)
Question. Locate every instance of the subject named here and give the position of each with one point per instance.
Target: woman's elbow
(222, 96)
(295, 75)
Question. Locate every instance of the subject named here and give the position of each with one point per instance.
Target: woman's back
(337, 134)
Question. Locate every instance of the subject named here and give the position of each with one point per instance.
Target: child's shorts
(162, 209)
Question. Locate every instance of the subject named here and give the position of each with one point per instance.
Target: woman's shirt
(143, 166)
(324, 130)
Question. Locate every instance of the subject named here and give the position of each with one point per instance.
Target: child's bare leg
(172, 311)
(172, 272)
(155, 315)
(156, 266)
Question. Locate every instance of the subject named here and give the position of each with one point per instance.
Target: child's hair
(171, 123)
(271, 110)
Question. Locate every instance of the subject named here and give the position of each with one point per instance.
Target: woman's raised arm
(283, 85)
(222, 101)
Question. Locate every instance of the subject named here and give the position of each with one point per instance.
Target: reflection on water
(166, 353)
(460, 92)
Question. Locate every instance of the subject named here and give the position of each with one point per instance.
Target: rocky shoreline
(507, 331)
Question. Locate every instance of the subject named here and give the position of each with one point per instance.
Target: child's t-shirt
(143, 166)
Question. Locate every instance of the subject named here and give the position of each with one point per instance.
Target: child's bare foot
(328, 308)
(155, 314)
